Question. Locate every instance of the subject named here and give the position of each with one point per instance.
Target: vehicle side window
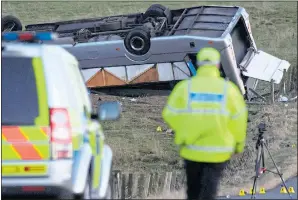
(20, 98)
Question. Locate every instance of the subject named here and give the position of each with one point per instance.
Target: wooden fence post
(135, 186)
(123, 186)
(141, 181)
(116, 185)
(130, 186)
(161, 182)
(282, 86)
(152, 183)
(167, 184)
(284, 83)
(147, 184)
(272, 92)
(289, 79)
(173, 181)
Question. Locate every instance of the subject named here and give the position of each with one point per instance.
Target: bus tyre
(137, 41)
(158, 10)
(11, 23)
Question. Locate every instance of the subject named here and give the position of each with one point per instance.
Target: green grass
(134, 140)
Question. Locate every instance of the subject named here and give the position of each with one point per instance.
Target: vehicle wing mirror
(109, 110)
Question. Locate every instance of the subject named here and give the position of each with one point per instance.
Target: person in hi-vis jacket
(209, 117)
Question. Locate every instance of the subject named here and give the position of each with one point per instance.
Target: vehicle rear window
(19, 92)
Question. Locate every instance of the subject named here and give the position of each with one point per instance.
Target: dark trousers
(203, 179)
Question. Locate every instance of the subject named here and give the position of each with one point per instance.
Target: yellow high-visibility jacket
(209, 117)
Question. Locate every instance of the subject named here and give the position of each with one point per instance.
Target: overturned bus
(157, 48)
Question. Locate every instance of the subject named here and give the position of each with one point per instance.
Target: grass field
(136, 144)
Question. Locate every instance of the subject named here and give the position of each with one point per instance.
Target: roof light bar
(28, 36)
(46, 36)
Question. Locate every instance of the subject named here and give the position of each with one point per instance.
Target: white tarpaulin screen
(266, 67)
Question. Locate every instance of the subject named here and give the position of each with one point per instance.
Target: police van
(52, 141)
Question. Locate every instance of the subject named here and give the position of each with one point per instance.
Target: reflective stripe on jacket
(208, 115)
